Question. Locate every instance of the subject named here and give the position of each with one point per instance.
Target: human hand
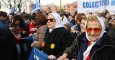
(18, 36)
(63, 57)
(35, 44)
(24, 32)
(51, 57)
(11, 28)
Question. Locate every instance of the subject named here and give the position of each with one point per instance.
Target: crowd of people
(60, 35)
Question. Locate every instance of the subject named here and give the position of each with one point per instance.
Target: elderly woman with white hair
(57, 37)
(96, 44)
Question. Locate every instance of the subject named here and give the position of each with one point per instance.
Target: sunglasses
(96, 30)
(51, 20)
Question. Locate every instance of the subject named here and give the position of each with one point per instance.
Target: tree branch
(9, 1)
(14, 3)
(5, 3)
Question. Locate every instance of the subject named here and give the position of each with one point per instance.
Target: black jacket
(61, 38)
(104, 49)
(111, 33)
(71, 50)
(7, 45)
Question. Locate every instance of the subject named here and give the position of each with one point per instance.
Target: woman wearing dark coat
(57, 37)
(7, 45)
(96, 44)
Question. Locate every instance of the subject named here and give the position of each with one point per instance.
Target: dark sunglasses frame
(51, 20)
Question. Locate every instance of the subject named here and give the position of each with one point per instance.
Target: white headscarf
(102, 25)
(58, 21)
(65, 20)
(86, 53)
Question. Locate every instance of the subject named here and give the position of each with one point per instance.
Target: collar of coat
(105, 40)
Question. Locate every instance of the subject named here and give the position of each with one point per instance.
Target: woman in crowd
(70, 52)
(57, 36)
(19, 32)
(96, 44)
(41, 30)
(32, 27)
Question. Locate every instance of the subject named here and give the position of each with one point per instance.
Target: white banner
(85, 6)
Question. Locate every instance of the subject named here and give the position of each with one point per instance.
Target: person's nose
(92, 32)
(48, 21)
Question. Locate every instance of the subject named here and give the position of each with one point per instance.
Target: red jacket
(32, 28)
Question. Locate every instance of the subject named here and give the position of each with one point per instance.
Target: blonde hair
(92, 18)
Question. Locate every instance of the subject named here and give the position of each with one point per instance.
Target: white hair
(102, 26)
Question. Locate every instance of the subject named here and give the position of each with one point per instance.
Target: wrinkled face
(93, 29)
(51, 22)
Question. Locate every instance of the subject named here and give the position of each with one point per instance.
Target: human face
(1, 17)
(107, 15)
(17, 22)
(82, 25)
(51, 22)
(93, 29)
(113, 24)
(70, 17)
(10, 17)
(33, 22)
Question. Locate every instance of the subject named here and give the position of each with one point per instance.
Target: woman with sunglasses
(57, 36)
(96, 45)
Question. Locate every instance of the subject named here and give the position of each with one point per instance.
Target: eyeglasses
(96, 30)
(51, 20)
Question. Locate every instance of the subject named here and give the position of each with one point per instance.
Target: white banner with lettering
(85, 6)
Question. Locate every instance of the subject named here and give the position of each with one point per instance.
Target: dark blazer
(7, 45)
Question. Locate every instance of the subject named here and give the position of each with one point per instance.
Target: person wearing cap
(57, 37)
(96, 44)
